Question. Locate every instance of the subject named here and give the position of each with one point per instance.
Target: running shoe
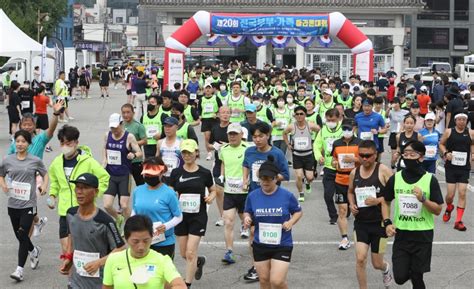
(447, 214)
(220, 223)
(333, 221)
(34, 257)
(209, 156)
(251, 275)
(321, 173)
(301, 198)
(17, 275)
(120, 220)
(229, 257)
(38, 228)
(244, 233)
(344, 244)
(387, 277)
(460, 226)
(307, 188)
(71, 118)
(201, 260)
(48, 149)
(290, 164)
(102, 96)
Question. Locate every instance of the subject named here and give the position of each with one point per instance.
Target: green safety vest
(262, 114)
(60, 86)
(301, 102)
(161, 73)
(239, 104)
(188, 114)
(249, 85)
(346, 103)
(182, 132)
(284, 117)
(209, 107)
(148, 91)
(215, 80)
(152, 127)
(407, 213)
(222, 97)
(317, 95)
(328, 138)
(382, 113)
(6, 79)
(323, 108)
(186, 77)
(161, 111)
(312, 119)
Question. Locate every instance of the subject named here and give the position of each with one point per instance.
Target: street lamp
(41, 17)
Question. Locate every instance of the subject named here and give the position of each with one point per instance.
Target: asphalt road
(316, 261)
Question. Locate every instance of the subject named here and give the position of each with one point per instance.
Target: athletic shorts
(456, 176)
(164, 250)
(392, 141)
(118, 185)
(192, 224)
(13, 116)
(236, 201)
(207, 124)
(104, 84)
(42, 121)
(380, 148)
(372, 234)
(413, 255)
(303, 162)
(63, 227)
(265, 253)
(340, 197)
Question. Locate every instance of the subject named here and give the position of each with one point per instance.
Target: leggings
(329, 186)
(22, 220)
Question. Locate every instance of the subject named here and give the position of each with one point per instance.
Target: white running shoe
(220, 223)
(344, 244)
(17, 275)
(34, 257)
(244, 233)
(71, 118)
(39, 226)
(209, 156)
(387, 277)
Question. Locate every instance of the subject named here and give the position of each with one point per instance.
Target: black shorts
(82, 83)
(63, 227)
(372, 234)
(192, 224)
(340, 197)
(456, 175)
(264, 253)
(104, 84)
(164, 250)
(118, 185)
(416, 256)
(14, 117)
(303, 162)
(42, 121)
(237, 201)
(392, 140)
(208, 123)
(380, 148)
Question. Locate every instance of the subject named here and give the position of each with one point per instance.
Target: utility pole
(105, 37)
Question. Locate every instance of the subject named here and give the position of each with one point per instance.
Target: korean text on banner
(176, 66)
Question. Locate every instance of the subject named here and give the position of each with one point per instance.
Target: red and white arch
(200, 24)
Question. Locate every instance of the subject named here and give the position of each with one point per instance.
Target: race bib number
(157, 238)
(171, 163)
(25, 104)
(343, 164)
(283, 123)
(190, 203)
(81, 258)
(459, 158)
(255, 168)
(363, 193)
(409, 205)
(20, 191)
(269, 233)
(235, 113)
(431, 151)
(233, 185)
(114, 157)
(329, 143)
(301, 143)
(367, 135)
(192, 96)
(151, 131)
(208, 108)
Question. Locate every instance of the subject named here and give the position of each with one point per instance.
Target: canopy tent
(13, 41)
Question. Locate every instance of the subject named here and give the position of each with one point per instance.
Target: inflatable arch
(203, 23)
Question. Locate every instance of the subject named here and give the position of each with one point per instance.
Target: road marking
(322, 243)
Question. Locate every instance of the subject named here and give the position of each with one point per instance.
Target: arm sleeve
(270, 115)
(199, 107)
(173, 222)
(219, 102)
(192, 134)
(194, 113)
(388, 191)
(113, 236)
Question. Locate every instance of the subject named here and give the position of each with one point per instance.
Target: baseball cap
(327, 91)
(234, 127)
(417, 146)
(410, 96)
(430, 116)
(152, 169)
(207, 84)
(415, 105)
(171, 121)
(87, 179)
(368, 101)
(423, 88)
(268, 169)
(114, 120)
(250, 107)
(189, 145)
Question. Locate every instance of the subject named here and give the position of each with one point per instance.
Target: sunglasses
(300, 113)
(365, 156)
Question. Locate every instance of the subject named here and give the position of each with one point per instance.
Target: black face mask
(151, 107)
(413, 166)
(152, 181)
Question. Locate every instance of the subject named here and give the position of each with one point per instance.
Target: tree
(24, 14)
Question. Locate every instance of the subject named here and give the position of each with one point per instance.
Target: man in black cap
(93, 235)
(417, 197)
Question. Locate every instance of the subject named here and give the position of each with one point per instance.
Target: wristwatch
(387, 222)
(423, 197)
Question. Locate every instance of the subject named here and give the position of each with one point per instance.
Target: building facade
(441, 32)
(382, 21)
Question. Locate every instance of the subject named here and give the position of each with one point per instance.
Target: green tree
(24, 14)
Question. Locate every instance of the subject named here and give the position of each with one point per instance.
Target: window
(180, 21)
(461, 10)
(435, 10)
(119, 19)
(432, 38)
(426, 61)
(461, 38)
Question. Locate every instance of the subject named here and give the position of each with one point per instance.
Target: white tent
(13, 41)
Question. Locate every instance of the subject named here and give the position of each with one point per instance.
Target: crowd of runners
(257, 126)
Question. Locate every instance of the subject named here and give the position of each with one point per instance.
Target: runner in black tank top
(366, 184)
